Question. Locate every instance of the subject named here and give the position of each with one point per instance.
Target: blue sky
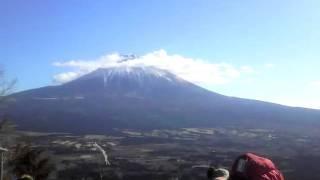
(273, 45)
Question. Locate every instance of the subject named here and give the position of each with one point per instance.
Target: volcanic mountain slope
(145, 98)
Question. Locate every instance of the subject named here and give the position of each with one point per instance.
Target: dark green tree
(32, 161)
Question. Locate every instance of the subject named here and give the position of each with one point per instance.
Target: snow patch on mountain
(134, 73)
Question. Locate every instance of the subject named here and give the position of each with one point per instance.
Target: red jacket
(252, 167)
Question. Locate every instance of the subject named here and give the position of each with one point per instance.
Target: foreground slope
(145, 98)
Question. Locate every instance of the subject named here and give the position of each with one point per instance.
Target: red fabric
(256, 168)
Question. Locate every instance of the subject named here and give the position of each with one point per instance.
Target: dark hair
(234, 177)
(216, 172)
(210, 172)
(25, 177)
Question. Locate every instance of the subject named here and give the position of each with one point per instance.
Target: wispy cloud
(198, 71)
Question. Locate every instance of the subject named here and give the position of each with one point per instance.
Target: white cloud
(195, 70)
(65, 77)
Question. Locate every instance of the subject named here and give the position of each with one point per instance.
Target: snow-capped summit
(136, 73)
(124, 79)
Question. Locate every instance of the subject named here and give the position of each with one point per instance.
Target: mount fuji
(145, 97)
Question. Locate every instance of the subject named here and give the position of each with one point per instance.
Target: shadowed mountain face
(145, 98)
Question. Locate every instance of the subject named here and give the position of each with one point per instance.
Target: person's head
(217, 174)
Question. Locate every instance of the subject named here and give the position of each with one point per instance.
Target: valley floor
(175, 154)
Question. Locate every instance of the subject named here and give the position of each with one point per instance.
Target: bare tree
(6, 87)
(6, 126)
